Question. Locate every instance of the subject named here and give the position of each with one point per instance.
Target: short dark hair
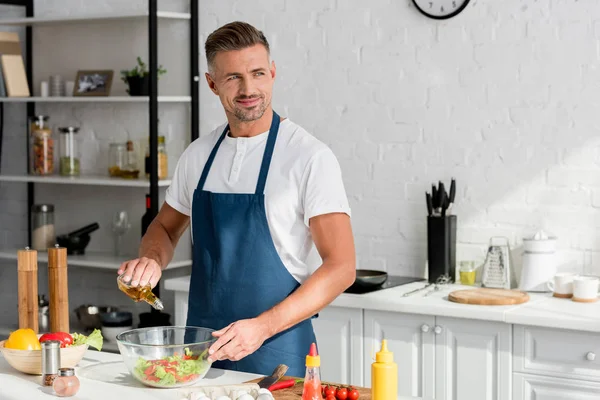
(233, 36)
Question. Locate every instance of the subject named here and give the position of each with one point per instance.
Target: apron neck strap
(266, 161)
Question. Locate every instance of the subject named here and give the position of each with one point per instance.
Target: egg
(265, 396)
(264, 391)
(223, 398)
(245, 396)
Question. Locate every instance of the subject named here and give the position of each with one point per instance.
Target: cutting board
(488, 296)
(295, 392)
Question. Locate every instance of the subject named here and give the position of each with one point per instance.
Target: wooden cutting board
(295, 392)
(488, 296)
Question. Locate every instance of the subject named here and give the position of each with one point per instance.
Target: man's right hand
(141, 271)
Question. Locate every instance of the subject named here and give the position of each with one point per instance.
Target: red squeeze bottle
(312, 379)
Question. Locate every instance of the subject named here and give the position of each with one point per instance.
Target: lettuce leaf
(94, 340)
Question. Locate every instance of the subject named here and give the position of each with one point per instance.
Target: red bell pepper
(284, 384)
(64, 338)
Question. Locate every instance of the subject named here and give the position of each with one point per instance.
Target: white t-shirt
(304, 181)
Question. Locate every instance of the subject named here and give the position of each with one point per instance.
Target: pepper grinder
(28, 289)
(58, 289)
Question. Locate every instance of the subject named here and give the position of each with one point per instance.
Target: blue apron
(237, 273)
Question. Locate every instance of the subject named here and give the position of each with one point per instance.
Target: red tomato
(353, 394)
(329, 390)
(341, 394)
(330, 397)
(150, 370)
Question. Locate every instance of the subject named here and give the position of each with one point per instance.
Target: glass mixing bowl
(166, 356)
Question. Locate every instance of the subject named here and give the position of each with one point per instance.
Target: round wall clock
(440, 9)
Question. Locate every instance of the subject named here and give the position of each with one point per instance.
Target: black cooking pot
(368, 278)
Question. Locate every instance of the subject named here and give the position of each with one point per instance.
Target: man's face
(243, 80)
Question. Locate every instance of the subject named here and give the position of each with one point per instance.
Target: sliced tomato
(150, 370)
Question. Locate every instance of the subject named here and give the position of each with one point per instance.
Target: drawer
(556, 352)
(534, 387)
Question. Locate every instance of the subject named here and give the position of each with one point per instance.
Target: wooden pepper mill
(58, 289)
(28, 289)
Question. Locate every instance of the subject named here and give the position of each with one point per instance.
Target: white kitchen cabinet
(443, 358)
(339, 334)
(410, 338)
(535, 387)
(472, 359)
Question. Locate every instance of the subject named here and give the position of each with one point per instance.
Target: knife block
(441, 247)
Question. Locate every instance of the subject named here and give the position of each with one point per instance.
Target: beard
(250, 114)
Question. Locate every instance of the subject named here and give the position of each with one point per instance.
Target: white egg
(264, 391)
(265, 396)
(223, 398)
(245, 396)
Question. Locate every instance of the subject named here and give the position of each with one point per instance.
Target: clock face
(440, 9)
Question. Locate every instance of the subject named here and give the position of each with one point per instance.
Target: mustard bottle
(384, 375)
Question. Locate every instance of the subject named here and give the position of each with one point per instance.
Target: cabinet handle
(437, 329)
(590, 356)
(424, 328)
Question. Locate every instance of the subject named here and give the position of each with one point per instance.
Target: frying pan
(368, 278)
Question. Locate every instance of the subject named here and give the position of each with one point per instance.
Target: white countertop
(541, 310)
(104, 376)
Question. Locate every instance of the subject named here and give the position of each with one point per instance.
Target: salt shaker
(66, 384)
(50, 361)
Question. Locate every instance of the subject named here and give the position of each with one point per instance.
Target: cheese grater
(497, 268)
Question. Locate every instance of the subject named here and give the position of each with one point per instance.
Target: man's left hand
(237, 340)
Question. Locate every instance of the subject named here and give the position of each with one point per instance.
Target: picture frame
(93, 83)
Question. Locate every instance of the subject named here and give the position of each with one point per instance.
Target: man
(260, 193)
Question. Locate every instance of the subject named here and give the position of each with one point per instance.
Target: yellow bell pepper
(23, 339)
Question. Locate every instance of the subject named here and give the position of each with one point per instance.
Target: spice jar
(163, 165)
(69, 151)
(42, 146)
(117, 158)
(42, 227)
(66, 384)
(50, 361)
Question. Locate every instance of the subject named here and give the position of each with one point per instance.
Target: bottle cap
(313, 359)
(384, 355)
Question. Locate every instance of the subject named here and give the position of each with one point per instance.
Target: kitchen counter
(541, 310)
(104, 376)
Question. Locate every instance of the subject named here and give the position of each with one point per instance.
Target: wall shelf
(84, 180)
(91, 260)
(96, 99)
(59, 20)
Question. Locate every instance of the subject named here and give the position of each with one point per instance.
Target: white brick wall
(502, 97)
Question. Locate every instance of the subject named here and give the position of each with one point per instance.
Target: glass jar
(163, 161)
(41, 153)
(66, 383)
(117, 158)
(467, 273)
(42, 227)
(69, 151)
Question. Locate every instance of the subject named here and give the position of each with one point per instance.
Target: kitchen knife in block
(275, 376)
(28, 289)
(58, 289)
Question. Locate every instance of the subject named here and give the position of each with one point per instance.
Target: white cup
(562, 285)
(44, 91)
(69, 86)
(585, 289)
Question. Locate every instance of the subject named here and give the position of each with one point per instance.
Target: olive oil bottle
(140, 293)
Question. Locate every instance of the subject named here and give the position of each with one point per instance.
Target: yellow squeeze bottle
(384, 375)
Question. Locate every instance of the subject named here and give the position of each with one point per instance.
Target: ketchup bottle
(312, 379)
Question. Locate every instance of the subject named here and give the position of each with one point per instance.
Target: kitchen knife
(441, 192)
(434, 196)
(443, 203)
(452, 193)
(277, 374)
(429, 205)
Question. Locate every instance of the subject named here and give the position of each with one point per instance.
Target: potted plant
(138, 78)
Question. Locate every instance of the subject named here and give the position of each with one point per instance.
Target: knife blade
(452, 193)
(434, 196)
(277, 374)
(429, 205)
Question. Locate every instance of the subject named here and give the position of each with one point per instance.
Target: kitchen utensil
(441, 280)
(497, 268)
(58, 289)
(278, 372)
(295, 392)
(488, 297)
(562, 285)
(158, 343)
(27, 289)
(585, 289)
(429, 204)
(89, 315)
(75, 242)
(539, 262)
(367, 278)
(116, 318)
(30, 361)
(120, 226)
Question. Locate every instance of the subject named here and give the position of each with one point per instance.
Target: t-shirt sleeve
(324, 191)
(177, 194)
